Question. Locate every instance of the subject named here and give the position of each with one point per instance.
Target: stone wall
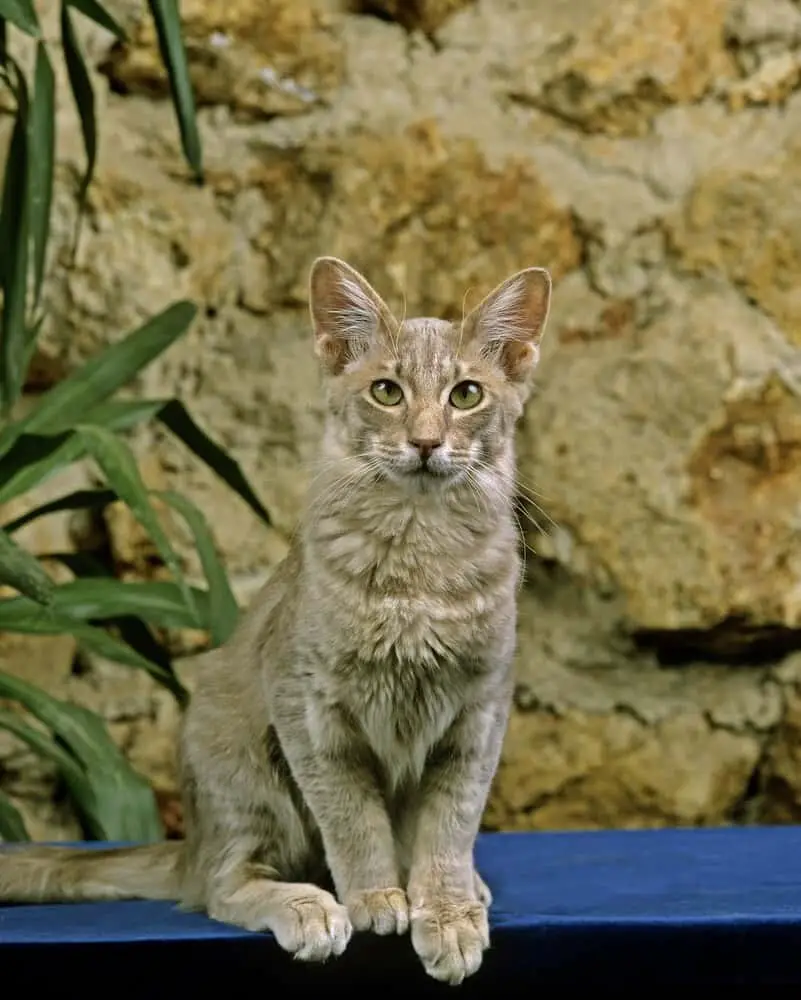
(648, 154)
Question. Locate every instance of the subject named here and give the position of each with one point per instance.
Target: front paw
(450, 934)
(383, 911)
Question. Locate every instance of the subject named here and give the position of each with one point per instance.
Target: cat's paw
(383, 911)
(313, 928)
(307, 921)
(450, 936)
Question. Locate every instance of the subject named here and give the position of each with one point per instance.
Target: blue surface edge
(680, 905)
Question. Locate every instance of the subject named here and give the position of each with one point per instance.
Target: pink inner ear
(335, 353)
(330, 351)
(518, 358)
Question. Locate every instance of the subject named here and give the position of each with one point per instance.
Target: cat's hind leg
(306, 920)
(252, 848)
(252, 879)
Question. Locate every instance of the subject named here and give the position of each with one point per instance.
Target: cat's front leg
(337, 776)
(449, 923)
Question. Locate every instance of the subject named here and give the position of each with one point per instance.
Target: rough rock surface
(422, 15)
(648, 154)
(259, 58)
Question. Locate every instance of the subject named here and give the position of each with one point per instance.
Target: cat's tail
(67, 874)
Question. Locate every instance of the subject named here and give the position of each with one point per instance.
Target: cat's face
(426, 402)
(420, 409)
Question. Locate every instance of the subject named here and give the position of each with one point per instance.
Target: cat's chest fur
(402, 711)
(410, 619)
(420, 596)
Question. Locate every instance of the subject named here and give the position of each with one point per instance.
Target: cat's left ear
(348, 314)
(509, 323)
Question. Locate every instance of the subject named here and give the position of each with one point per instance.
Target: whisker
(491, 485)
(341, 485)
(531, 489)
(461, 322)
(405, 307)
(324, 465)
(525, 493)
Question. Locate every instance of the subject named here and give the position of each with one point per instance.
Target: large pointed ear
(509, 323)
(347, 313)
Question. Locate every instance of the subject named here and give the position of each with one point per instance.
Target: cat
(348, 734)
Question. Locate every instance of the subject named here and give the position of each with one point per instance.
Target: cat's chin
(426, 479)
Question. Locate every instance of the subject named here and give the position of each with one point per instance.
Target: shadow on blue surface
(644, 907)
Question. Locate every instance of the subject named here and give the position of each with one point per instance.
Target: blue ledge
(640, 907)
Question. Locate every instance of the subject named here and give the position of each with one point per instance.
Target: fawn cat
(348, 733)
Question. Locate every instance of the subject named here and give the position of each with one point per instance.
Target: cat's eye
(466, 395)
(386, 392)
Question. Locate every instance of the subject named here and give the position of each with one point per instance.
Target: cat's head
(425, 401)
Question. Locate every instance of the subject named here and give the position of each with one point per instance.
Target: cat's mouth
(432, 472)
(427, 472)
(423, 472)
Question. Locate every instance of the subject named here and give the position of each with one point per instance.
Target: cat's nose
(425, 446)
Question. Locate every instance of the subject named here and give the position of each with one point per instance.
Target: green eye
(466, 395)
(386, 393)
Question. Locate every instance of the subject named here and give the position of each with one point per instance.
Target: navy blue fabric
(647, 907)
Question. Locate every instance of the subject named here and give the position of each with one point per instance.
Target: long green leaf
(101, 376)
(14, 246)
(69, 401)
(31, 335)
(12, 825)
(13, 194)
(97, 598)
(177, 419)
(84, 736)
(66, 720)
(115, 802)
(79, 500)
(84, 96)
(22, 15)
(118, 464)
(28, 619)
(34, 458)
(71, 772)
(41, 148)
(22, 571)
(223, 610)
(159, 602)
(167, 20)
(36, 739)
(100, 16)
(32, 461)
(132, 630)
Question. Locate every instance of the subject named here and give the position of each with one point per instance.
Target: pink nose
(425, 446)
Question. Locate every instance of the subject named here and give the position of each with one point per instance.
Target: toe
(450, 941)
(383, 911)
(314, 931)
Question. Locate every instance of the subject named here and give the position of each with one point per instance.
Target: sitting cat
(349, 731)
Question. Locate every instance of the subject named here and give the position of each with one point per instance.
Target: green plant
(79, 418)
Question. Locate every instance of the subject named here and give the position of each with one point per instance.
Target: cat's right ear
(347, 313)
